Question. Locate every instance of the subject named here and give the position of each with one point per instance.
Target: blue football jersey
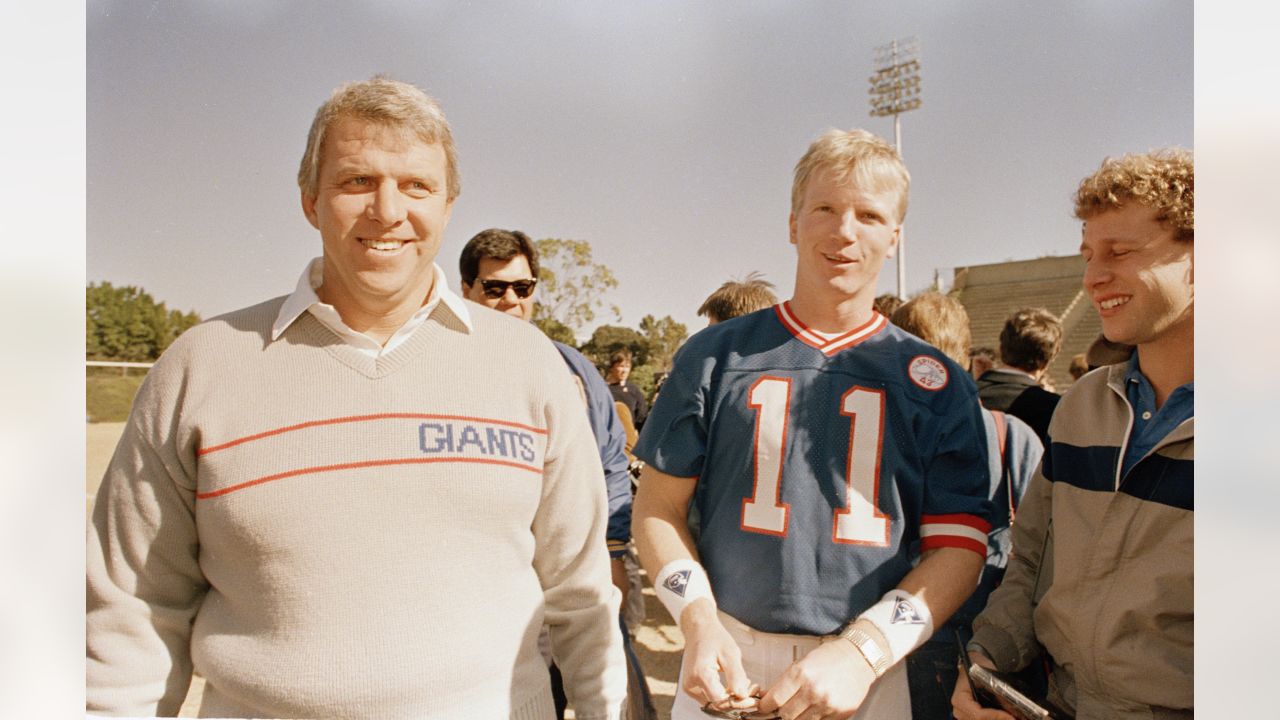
(820, 461)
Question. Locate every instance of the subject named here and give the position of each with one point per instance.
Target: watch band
(869, 648)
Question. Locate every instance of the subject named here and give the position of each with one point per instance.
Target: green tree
(651, 347)
(608, 339)
(127, 324)
(571, 285)
(644, 377)
(556, 330)
(662, 339)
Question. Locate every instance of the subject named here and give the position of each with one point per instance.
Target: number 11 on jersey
(860, 522)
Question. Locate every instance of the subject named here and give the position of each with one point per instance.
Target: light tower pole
(895, 89)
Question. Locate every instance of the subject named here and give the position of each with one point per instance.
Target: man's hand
(708, 651)
(829, 683)
(964, 706)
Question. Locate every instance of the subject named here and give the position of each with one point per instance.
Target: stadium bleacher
(990, 293)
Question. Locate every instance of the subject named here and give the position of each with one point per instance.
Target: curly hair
(1161, 179)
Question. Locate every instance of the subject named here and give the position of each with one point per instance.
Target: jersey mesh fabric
(930, 464)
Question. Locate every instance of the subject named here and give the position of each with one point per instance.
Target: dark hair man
(623, 390)
(1102, 573)
(815, 441)
(1029, 341)
(362, 499)
(499, 269)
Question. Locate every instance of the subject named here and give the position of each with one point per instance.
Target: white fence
(124, 366)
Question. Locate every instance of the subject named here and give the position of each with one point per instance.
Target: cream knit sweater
(323, 534)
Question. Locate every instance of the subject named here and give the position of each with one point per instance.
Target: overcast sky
(664, 133)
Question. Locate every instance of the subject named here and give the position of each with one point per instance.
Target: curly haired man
(1102, 575)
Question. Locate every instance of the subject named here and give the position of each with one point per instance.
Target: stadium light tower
(895, 89)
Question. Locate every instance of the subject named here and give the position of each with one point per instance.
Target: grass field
(108, 397)
(658, 641)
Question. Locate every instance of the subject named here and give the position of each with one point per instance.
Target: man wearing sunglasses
(499, 270)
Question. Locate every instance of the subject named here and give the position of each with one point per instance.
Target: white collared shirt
(304, 299)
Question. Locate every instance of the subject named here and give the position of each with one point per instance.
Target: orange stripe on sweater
(358, 465)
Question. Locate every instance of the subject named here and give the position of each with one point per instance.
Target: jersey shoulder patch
(927, 372)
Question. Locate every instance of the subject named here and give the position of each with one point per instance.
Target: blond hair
(1161, 179)
(939, 320)
(855, 155)
(390, 104)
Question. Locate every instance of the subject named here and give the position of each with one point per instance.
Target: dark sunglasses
(495, 289)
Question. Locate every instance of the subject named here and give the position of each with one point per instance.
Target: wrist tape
(903, 619)
(679, 583)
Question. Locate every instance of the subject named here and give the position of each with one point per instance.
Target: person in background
(500, 270)
(625, 391)
(1029, 341)
(1078, 367)
(1013, 451)
(981, 359)
(887, 304)
(738, 297)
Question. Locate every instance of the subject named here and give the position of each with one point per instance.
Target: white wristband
(903, 619)
(679, 583)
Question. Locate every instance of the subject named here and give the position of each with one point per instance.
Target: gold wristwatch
(869, 648)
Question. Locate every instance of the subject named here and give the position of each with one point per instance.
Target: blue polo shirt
(1150, 425)
(610, 441)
